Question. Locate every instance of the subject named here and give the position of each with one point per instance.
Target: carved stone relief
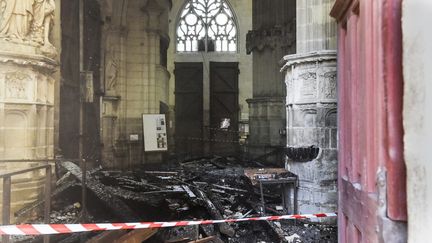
(111, 70)
(328, 89)
(276, 37)
(308, 84)
(28, 22)
(16, 84)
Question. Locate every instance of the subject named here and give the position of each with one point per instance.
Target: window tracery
(206, 25)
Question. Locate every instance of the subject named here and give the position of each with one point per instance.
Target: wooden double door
(198, 118)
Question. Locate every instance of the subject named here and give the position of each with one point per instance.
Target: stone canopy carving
(28, 22)
(276, 37)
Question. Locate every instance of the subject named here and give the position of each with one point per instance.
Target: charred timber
(118, 207)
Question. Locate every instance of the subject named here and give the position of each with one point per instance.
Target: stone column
(27, 88)
(272, 37)
(316, 30)
(311, 107)
(114, 36)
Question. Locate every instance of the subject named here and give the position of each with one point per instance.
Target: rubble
(117, 206)
(204, 188)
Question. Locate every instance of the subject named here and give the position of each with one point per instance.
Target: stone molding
(318, 56)
(265, 100)
(28, 59)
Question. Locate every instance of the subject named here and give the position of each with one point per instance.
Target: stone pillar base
(26, 117)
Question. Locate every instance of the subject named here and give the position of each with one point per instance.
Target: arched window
(206, 25)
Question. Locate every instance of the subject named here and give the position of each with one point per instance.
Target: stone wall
(135, 79)
(315, 31)
(417, 117)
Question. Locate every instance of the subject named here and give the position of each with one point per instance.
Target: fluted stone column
(27, 87)
(311, 107)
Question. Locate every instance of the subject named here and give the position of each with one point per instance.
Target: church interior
(284, 120)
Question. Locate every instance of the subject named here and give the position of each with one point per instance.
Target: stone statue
(16, 18)
(111, 73)
(43, 12)
(111, 62)
(28, 22)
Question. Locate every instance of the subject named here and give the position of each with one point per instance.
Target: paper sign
(155, 132)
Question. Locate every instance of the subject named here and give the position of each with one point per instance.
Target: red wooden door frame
(370, 115)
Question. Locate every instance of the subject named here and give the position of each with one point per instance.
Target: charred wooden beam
(136, 236)
(118, 207)
(224, 228)
(204, 240)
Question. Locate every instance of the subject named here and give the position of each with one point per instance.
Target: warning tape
(50, 229)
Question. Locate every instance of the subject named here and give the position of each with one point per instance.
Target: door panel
(189, 109)
(371, 167)
(224, 104)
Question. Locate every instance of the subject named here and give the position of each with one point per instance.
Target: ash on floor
(204, 188)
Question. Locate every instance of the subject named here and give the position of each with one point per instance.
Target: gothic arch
(206, 25)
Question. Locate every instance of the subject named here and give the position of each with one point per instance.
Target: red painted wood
(396, 194)
(370, 114)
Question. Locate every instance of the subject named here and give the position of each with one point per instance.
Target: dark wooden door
(224, 105)
(189, 109)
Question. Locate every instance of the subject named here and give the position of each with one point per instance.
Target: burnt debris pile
(203, 188)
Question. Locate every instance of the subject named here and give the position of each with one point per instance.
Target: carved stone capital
(276, 37)
(153, 8)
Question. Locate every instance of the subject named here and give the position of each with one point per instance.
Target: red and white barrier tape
(49, 229)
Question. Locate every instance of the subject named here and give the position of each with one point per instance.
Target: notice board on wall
(155, 132)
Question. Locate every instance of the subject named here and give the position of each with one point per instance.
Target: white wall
(417, 45)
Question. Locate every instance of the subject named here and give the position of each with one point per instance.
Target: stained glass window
(206, 25)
